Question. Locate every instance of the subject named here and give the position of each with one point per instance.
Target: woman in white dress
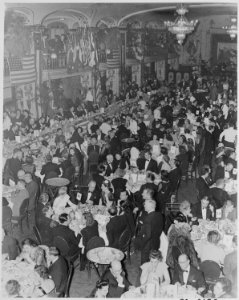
(155, 271)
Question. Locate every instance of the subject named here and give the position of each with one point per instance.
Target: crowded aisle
(128, 195)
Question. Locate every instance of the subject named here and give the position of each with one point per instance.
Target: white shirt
(89, 96)
(88, 196)
(157, 114)
(142, 104)
(225, 110)
(60, 203)
(133, 126)
(105, 128)
(204, 213)
(146, 164)
(185, 275)
(229, 135)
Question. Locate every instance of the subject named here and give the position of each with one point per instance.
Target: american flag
(22, 70)
(113, 59)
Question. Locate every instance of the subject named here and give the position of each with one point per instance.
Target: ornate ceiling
(114, 14)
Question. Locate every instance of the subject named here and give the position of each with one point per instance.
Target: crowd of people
(172, 133)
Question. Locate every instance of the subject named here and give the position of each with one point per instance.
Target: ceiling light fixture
(181, 26)
(232, 29)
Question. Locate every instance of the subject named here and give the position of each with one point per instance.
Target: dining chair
(211, 271)
(66, 292)
(124, 243)
(61, 244)
(23, 215)
(37, 234)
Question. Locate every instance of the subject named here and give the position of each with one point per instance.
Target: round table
(128, 142)
(104, 255)
(57, 181)
(53, 185)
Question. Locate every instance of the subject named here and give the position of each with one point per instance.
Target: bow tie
(147, 159)
(185, 271)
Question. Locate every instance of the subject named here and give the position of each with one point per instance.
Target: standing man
(149, 235)
(33, 190)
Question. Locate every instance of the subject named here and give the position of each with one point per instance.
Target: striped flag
(22, 70)
(98, 90)
(113, 59)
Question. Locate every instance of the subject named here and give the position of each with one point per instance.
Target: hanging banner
(25, 96)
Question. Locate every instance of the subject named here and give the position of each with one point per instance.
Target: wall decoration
(160, 69)
(25, 96)
(223, 51)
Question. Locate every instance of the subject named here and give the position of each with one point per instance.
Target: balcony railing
(52, 62)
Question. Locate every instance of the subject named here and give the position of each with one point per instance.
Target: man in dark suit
(202, 183)
(58, 269)
(149, 235)
(110, 165)
(91, 195)
(99, 176)
(65, 232)
(115, 144)
(33, 190)
(12, 166)
(50, 169)
(147, 164)
(204, 210)
(115, 227)
(93, 147)
(218, 194)
(189, 275)
(118, 283)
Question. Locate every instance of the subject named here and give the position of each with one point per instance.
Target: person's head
(185, 208)
(112, 210)
(44, 198)
(93, 140)
(205, 201)
(21, 174)
(29, 160)
(147, 155)
(118, 156)
(63, 219)
(48, 158)
(184, 262)
(205, 170)
(150, 177)
(222, 286)
(148, 194)
(123, 195)
(213, 237)
(89, 220)
(28, 177)
(155, 137)
(17, 153)
(149, 205)
(229, 167)
(92, 186)
(59, 131)
(155, 256)
(116, 268)
(27, 244)
(164, 175)
(13, 288)
(62, 191)
(42, 271)
(109, 158)
(220, 183)
(229, 205)
(53, 253)
(102, 288)
(21, 184)
(101, 169)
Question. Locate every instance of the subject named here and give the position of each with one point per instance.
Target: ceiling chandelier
(181, 26)
(232, 29)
